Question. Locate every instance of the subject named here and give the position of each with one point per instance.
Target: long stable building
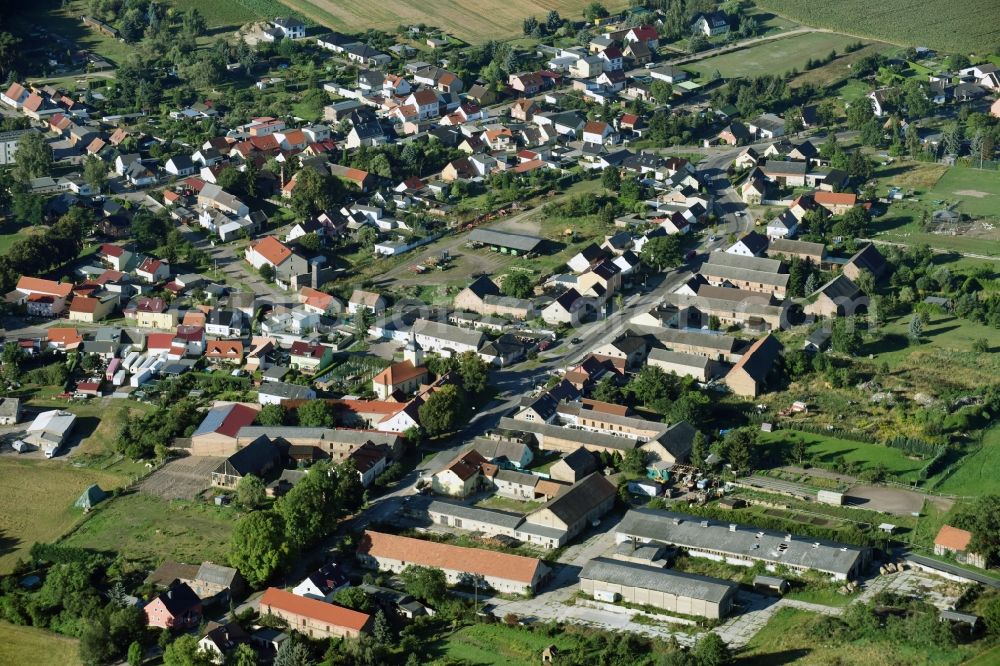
(673, 591)
(510, 574)
(740, 544)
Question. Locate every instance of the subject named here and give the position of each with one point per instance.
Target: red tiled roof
(43, 286)
(313, 609)
(224, 349)
(953, 538)
(397, 373)
(835, 198)
(445, 556)
(273, 250)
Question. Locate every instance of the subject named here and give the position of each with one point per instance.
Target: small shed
(91, 497)
(888, 528)
(770, 584)
(957, 617)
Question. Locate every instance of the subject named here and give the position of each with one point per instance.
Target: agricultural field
(471, 20)
(938, 24)
(499, 645)
(827, 449)
(143, 527)
(38, 496)
(28, 645)
(774, 57)
(790, 636)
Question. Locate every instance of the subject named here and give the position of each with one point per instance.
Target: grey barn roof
(679, 358)
(582, 437)
(521, 242)
(716, 259)
(692, 586)
(734, 273)
(697, 534)
(489, 516)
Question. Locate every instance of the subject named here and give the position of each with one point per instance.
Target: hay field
(470, 20)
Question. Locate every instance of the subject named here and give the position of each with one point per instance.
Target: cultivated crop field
(939, 24)
(471, 20)
(775, 57)
(37, 497)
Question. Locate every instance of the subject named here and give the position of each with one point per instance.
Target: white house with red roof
(645, 34)
(267, 251)
(153, 270)
(115, 256)
(15, 96)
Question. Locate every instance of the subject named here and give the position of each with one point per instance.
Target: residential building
(373, 302)
(323, 583)
(461, 477)
(951, 541)
(683, 364)
(275, 393)
(837, 298)
(748, 378)
(574, 466)
(710, 24)
(177, 608)
(42, 298)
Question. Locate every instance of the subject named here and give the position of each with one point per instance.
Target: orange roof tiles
(273, 250)
(43, 286)
(313, 609)
(397, 373)
(445, 556)
(953, 538)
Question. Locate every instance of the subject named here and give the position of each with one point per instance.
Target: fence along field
(471, 20)
(947, 25)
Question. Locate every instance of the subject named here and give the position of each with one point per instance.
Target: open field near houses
(37, 497)
(495, 644)
(28, 645)
(774, 57)
(144, 527)
(938, 24)
(471, 20)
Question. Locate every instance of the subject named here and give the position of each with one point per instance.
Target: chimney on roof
(788, 537)
(732, 527)
(704, 523)
(677, 521)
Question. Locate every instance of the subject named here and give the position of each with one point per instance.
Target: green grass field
(28, 645)
(12, 231)
(939, 24)
(471, 20)
(977, 473)
(776, 57)
(38, 496)
(789, 637)
(827, 449)
(499, 645)
(977, 191)
(945, 346)
(146, 528)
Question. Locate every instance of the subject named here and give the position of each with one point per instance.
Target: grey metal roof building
(740, 544)
(545, 432)
(716, 259)
(664, 588)
(519, 242)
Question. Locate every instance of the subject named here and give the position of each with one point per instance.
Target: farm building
(502, 241)
(741, 545)
(673, 591)
(511, 574)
